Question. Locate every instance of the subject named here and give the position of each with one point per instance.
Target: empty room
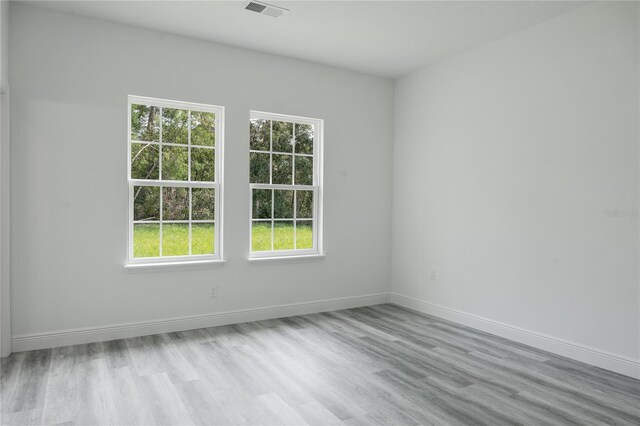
(319, 212)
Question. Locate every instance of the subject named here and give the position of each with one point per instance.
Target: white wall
(505, 160)
(4, 43)
(5, 287)
(70, 78)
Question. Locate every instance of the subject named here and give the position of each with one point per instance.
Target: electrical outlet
(213, 292)
(433, 274)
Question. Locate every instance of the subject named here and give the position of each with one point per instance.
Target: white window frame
(317, 188)
(217, 184)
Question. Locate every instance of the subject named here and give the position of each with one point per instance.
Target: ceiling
(385, 38)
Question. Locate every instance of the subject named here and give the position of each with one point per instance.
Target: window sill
(173, 266)
(288, 258)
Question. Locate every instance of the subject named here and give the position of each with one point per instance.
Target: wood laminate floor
(375, 365)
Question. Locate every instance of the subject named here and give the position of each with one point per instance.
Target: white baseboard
(599, 358)
(27, 342)
(617, 363)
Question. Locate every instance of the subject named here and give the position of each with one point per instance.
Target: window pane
(258, 168)
(203, 128)
(304, 234)
(146, 240)
(261, 236)
(262, 203)
(304, 204)
(260, 135)
(203, 201)
(175, 163)
(282, 169)
(175, 239)
(146, 203)
(203, 163)
(283, 236)
(304, 170)
(144, 161)
(175, 203)
(145, 123)
(174, 126)
(282, 204)
(282, 136)
(304, 139)
(202, 238)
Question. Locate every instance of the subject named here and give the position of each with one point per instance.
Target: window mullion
(161, 216)
(314, 222)
(281, 186)
(293, 156)
(273, 234)
(190, 217)
(189, 178)
(251, 220)
(131, 225)
(160, 145)
(173, 183)
(189, 146)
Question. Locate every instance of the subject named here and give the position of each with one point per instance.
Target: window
(175, 181)
(285, 174)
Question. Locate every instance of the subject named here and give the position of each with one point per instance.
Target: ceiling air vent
(265, 9)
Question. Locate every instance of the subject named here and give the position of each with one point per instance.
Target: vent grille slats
(265, 9)
(255, 7)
